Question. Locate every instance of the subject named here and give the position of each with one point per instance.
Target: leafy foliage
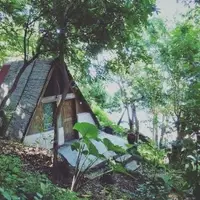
(17, 183)
(86, 130)
(105, 121)
(157, 69)
(89, 155)
(152, 153)
(90, 26)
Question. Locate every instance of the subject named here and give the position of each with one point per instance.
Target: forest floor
(115, 186)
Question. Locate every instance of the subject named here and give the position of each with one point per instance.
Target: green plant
(85, 148)
(88, 153)
(160, 176)
(186, 159)
(149, 190)
(160, 182)
(152, 154)
(19, 184)
(192, 166)
(105, 121)
(7, 194)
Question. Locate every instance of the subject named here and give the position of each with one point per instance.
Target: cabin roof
(21, 104)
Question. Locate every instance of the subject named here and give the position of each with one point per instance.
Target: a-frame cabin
(30, 108)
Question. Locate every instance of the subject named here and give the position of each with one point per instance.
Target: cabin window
(48, 116)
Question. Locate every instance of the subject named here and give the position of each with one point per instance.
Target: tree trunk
(130, 121)
(55, 144)
(3, 123)
(120, 120)
(178, 128)
(163, 132)
(155, 128)
(136, 121)
(60, 14)
(57, 113)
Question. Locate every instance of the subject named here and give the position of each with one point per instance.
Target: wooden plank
(57, 98)
(68, 116)
(37, 121)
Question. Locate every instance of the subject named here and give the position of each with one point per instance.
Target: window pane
(48, 116)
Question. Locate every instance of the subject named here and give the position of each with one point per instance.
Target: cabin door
(69, 119)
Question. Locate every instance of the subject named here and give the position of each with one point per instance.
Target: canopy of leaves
(88, 24)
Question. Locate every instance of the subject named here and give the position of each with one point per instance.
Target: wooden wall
(81, 107)
(37, 121)
(67, 120)
(69, 110)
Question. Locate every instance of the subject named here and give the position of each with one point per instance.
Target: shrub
(89, 154)
(152, 154)
(16, 183)
(105, 121)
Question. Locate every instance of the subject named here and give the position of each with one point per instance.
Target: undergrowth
(163, 182)
(18, 184)
(105, 121)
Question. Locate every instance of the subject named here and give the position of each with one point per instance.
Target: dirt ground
(40, 160)
(111, 186)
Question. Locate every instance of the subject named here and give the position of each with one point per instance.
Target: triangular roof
(30, 88)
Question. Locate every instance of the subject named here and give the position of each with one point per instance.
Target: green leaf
(91, 148)
(192, 158)
(87, 130)
(120, 169)
(38, 196)
(165, 179)
(16, 170)
(5, 194)
(85, 152)
(75, 146)
(111, 147)
(43, 187)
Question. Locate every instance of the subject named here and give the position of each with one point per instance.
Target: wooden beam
(55, 98)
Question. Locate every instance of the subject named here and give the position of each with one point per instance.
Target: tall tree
(66, 24)
(181, 68)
